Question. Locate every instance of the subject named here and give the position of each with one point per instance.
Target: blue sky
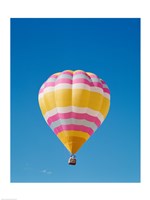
(109, 48)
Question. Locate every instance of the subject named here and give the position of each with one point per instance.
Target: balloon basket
(72, 160)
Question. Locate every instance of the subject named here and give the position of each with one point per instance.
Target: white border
(68, 8)
(4, 101)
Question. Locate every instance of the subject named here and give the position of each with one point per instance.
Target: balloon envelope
(74, 104)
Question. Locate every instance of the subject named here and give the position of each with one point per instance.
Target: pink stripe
(41, 90)
(47, 84)
(69, 81)
(85, 81)
(82, 80)
(103, 82)
(75, 81)
(75, 116)
(63, 80)
(80, 72)
(73, 127)
(76, 73)
(106, 90)
(67, 72)
(93, 76)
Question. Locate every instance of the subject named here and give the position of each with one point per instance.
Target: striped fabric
(74, 104)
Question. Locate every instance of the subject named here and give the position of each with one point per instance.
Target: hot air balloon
(74, 104)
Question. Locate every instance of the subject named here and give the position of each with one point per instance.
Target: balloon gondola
(72, 160)
(74, 104)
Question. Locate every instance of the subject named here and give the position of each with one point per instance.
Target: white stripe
(77, 76)
(83, 122)
(74, 86)
(64, 76)
(42, 86)
(74, 109)
(51, 80)
(106, 95)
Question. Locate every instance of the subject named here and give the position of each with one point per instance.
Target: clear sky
(109, 48)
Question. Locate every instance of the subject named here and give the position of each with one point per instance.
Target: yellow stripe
(73, 133)
(75, 97)
(70, 71)
(57, 73)
(89, 73)
(73, 140)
